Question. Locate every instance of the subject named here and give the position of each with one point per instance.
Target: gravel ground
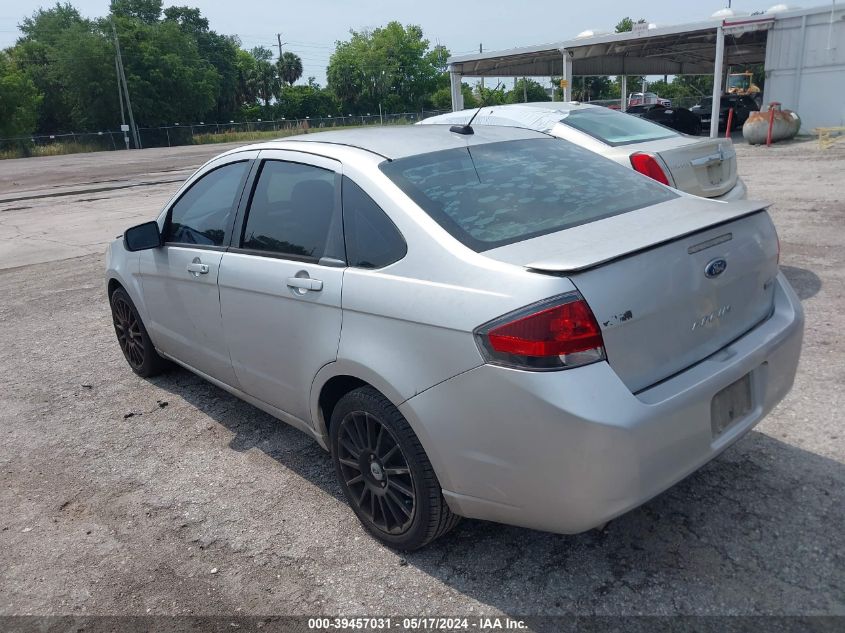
(167, 496)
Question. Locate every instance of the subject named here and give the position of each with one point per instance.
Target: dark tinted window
(292, 211)
(372, 240)
(499, 193)
(203, 214)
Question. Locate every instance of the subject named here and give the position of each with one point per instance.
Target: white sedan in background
(699, 166)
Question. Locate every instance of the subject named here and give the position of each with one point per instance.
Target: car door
(280, 282)
(179, 279)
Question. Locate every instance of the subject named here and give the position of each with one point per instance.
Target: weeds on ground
(53, 149)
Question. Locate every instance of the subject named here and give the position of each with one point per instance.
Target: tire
(385, 474)
(135, 343)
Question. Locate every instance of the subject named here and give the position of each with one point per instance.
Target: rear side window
(500, 193)
(292, 212)
(615, 128)
(372, 240)
(203, 214)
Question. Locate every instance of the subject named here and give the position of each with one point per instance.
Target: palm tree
(290, 68)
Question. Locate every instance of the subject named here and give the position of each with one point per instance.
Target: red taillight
(554, 334)
(648, 165)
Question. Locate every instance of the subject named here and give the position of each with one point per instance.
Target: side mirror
(142, 237)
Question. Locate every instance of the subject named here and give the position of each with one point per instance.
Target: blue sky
(311, 28)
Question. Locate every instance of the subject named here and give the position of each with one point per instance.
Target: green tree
(490, 96)
(221, 51)
(390, 66)
(19, 100)
(261, 53)
(147, 11)
(627, 24)
(290, 68)
(694, 85)
(441, 99)
(266, 81)
(246, 87)
(176, 68)
(527, 91)
(590, 88)
(190, 19)
(168, 79)
(59, 48)
(309, 100)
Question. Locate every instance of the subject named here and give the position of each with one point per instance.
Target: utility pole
(120, 98)
(481, 50)
(122, 77)
(281, 43)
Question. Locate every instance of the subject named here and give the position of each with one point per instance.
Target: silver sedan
(698, 166)
(482, 322)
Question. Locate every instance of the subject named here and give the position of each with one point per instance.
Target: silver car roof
(541, 116)
(405, 140)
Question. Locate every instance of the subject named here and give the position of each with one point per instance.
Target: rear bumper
(739, 192)
(567, 451)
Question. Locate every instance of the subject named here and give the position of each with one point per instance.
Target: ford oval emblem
(715, 267)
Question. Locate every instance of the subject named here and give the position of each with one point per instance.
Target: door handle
(305, 283)
(197, 268)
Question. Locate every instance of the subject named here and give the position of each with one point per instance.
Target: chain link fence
(195, 133)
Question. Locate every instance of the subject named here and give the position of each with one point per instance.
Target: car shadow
(805, 282)
(761, 529)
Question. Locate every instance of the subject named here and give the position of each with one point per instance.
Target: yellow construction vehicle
(742, 84)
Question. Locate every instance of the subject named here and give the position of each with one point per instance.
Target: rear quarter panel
(409, 326)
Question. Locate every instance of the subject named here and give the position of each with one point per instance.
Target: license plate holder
(714, 173)
(731, 404)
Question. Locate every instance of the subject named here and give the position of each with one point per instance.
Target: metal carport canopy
(688, 49)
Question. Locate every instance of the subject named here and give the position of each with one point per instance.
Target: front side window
(615, 128)
(203, 214)
(500, 193)
(292, 212)
(372, 240)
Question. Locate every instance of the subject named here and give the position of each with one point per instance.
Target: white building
(805, 65)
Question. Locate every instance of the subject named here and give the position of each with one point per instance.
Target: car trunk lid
(666, 302)
(702, 167)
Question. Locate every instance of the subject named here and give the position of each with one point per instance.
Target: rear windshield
(500, 193)
(615, 128)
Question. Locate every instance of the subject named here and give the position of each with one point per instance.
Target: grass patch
(27, 150)
(268, 135)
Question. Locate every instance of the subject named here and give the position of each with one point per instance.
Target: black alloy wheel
(128, 329)
(132, 337)
(376, 472)
(385, 473)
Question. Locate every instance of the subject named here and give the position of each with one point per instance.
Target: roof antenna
(466, 129)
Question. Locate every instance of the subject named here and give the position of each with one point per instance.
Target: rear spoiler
(597, 243)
